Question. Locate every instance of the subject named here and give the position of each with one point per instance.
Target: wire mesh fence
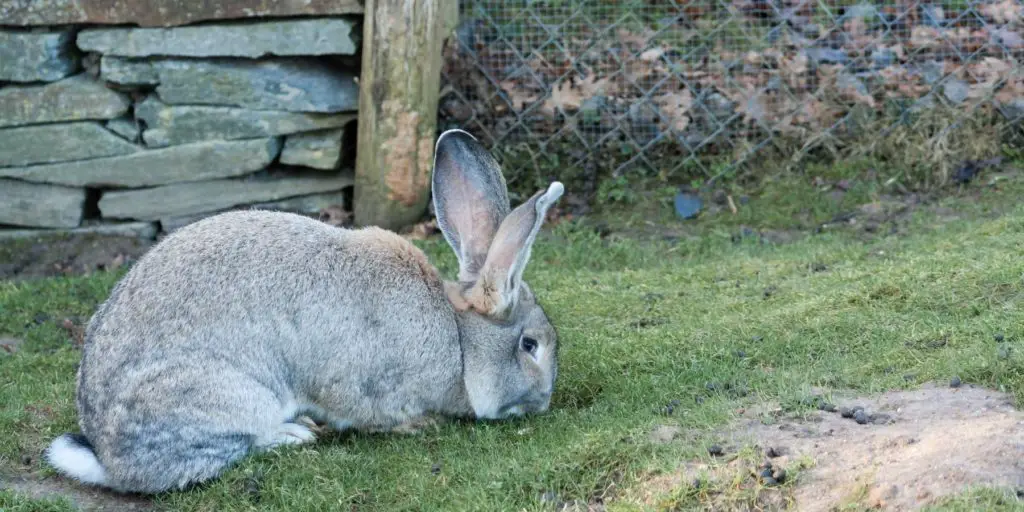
(707, 86)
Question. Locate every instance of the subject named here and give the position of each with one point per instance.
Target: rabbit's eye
(528, 344)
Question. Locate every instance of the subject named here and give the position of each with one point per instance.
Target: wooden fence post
(398, 97)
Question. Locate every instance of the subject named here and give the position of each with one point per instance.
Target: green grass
(641, 323)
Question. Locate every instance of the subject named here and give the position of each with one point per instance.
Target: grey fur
(227, 332)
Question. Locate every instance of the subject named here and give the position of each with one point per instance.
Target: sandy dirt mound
(896, 451)
(905, 449)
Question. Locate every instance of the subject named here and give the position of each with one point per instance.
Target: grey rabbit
(233, 333)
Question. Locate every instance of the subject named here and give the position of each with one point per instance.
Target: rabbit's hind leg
(189, 428)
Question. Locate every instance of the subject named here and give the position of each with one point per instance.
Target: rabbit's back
(355, 321)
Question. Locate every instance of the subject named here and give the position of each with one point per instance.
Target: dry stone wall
(137, 122)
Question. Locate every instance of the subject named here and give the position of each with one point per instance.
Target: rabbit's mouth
(523, 408)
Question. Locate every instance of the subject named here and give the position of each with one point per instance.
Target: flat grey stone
(77, 98)
(162, 13)
(176, 164)
(301, 36)
(128, 71)
(170, 125)
(36, 56)
(35, 205)
(956, 90)
(291, 84)
(305, 205)
(319, 150)
(185, 199)
(309, 204)
(126, 127)
(49, 143)
(147, 230)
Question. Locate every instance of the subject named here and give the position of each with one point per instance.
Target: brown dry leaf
(634, 39)
(9, 345)
(748, 102)
(675, 105)
(518, 96)
(1007, 11)
(563, 98)
(899, 84)
(989, 73)
(116, 262)
(592, 86)
(1011, 91)
(924, 37)
(75, 329)
(794, 71)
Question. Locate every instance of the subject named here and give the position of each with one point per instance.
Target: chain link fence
(705, 87)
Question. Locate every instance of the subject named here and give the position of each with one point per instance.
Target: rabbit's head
(509, 346)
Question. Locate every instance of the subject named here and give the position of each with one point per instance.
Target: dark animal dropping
(860, 417)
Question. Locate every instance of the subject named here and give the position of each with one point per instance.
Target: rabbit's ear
(470, 198)
(496, 289)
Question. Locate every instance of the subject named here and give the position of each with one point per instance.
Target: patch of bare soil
(82, 498)
(897, 451)
(67, 255)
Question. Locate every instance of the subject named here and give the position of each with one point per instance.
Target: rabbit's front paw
(289, 433)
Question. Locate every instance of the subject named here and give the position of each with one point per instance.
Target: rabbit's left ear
(470, 198)
(496, 288)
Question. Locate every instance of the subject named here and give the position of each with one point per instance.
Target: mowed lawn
(706, 322)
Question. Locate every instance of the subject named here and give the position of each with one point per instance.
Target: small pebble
(846, 412)
(716, 450)
(999, 337)
(955, 382)
(880, 419)
(779, 475)
(860, 417)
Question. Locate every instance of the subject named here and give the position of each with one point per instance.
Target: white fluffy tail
(72, 455)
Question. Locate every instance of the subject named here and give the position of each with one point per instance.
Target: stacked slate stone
(136, 129)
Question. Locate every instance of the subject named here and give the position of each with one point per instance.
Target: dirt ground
(81, 498)
(904, 451)
(67, 255)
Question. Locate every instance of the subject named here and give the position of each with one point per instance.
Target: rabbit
(232, 333)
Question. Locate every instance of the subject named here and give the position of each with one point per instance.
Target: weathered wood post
(398, 96)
